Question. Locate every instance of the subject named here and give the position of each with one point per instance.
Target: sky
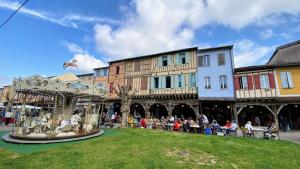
(46, 33)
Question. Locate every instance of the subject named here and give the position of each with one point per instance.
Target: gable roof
(156, 54)
(288, 54)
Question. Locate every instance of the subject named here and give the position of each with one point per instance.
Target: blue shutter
(169, 60)
(176, 81)
(172, 81)
(177, 59)
(160, 85)
(152, 83)
(289, 78)
(160, 61)
(187, 57)
(183, 80)
(190, 80)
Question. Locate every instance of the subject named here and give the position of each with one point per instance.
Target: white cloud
(154, 26)
(68, 20)
(266, 34)
(85, 61)
(247, 53)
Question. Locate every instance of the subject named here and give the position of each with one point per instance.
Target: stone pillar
(147, 110)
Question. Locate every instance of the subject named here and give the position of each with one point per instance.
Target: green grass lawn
(142, 148)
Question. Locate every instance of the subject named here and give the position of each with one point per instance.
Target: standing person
(114, 117)
(8, 116)
(257, 120)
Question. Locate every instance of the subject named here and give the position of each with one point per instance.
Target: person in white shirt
(8, 116)
(249, 128)
(113, 117)
(205, 120)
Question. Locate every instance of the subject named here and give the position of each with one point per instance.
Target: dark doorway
(258, 115)
(137, 109)
(185, 110)
(219, 111)
(289, 117)
(158, 110)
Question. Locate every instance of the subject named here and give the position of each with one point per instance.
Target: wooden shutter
(144, 83)
(272, 80)
(129, 82)
(250, 82)
(137, 66)
(187, 57)
(257, 82)
(237, 82)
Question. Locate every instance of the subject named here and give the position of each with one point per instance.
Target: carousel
(56, 113)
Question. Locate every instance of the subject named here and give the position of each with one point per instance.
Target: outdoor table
(195, 126)
(224, 130)
(169, 125)
(258, 132)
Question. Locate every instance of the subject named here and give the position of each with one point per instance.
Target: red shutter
(257, 82)
(250, 82)
(237, 82)
(272, 81)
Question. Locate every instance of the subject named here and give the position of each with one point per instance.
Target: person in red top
(143, 123)
(176, 125)
(228, 124)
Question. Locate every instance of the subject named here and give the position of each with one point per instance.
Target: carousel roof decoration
(67, 84)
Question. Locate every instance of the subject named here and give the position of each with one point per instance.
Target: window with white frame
(182, 59)
(164, 60)
(243, 82)
(264, 81)
(207, 82)
(223, 82)
(203, 61)
(286, 80)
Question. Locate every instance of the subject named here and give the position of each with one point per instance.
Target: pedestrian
(8, 116)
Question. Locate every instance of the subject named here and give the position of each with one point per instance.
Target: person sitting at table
(249, 129)
(171, 119)
(143, 123)
(176, 125)
(215, 127)
(228, 124)
(271, 131)
(232, 129)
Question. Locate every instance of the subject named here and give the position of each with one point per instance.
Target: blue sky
(45, 34)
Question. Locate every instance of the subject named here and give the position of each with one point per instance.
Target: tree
(125, 96)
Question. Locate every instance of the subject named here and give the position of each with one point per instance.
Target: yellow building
(286, 60)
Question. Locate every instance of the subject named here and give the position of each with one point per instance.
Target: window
(137, 66)
(221, 59)
(111, 85)
(243, 82)
(129, 83)
(144, 83)
(203, 61)
(164, 60)
(118, 70)
(168, 81)
(182, 58)
(179, 80)
(207, 82)
(104, 72)
(156, 82)
(223, 82)
(286, 80)
(264, 81)
(193, 80)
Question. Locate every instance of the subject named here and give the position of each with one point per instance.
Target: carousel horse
(65, 125)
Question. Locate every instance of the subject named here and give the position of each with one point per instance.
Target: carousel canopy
(67, 84)
(26, 107)
(66, 77)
